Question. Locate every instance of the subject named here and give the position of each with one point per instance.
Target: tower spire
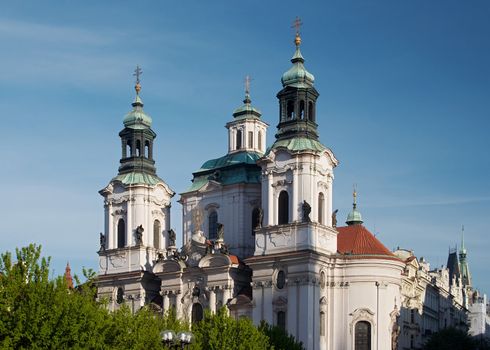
(137, 73)
(354, 216)
(462, 249)
(296, 25)
(247, 89)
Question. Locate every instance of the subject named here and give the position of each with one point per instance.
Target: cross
(296, 24)
(137, 73)
(247, 84)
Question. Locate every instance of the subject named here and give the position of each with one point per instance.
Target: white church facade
(260, 237)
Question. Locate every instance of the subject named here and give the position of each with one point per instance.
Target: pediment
(168, 266)
(211, 185)
(215, 260)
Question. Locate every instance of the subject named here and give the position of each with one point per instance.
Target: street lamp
(182, 339)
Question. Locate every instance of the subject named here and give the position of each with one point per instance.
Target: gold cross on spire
(137, 73)
(247, 84)
(296, 24)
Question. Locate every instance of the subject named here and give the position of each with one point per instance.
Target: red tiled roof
(357, 240)
(234, 259)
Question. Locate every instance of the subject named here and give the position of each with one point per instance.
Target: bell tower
(137, 215)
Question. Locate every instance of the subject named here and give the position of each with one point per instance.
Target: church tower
(226, 190)
(137, 215)
(297, 236)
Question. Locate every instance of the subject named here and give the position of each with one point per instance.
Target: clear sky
(404, 104)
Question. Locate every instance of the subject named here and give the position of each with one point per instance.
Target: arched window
(301, 109)
(259, 140)
(129, 151)
(321, 208)
(138, 148)
(156, 233)
(283, 208)
(280, 280)
(213, 225)
(322, 323)
(147, 149)
(311, 111)
(363, 336)
(255, 219)
(281, 319)
(251, 139)
(119, 295)
(238, 139)
(290, 110)
(121, 234)
(197, 313)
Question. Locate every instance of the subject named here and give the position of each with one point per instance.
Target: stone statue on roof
(171, 238)
(306, 211)
(139, 235)
(102, 241)
(334, 218)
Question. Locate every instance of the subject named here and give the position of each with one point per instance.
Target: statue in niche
(334, 218)
(306, 211)
(139, 235)
(171, 238)
(102, 241)
(221, 232)
(260, 218)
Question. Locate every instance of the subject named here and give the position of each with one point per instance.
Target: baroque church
(261, 238)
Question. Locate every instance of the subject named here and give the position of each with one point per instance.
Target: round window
(280, 280)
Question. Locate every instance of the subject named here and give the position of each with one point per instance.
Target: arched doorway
(197, 313)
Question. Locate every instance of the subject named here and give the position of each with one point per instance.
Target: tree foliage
(450, 339)
(37, 312)
(279, 338)
(221, 332)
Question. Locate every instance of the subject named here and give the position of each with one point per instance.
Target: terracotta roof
(357, 240)
(234, 259)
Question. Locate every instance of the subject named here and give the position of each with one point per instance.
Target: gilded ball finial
(137, 74)
(137, 88)
(297, 40)
(297, 24)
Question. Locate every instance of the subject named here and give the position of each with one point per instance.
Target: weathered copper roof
(357, 240)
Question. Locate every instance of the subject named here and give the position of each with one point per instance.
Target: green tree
(450, 339)
(279, 338)
(221, 332)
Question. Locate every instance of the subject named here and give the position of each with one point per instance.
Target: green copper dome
(137, 118)
(354, 217)
(297, 75)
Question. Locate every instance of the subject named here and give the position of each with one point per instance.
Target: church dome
(137, 118)
(297, 75)
(246, 110)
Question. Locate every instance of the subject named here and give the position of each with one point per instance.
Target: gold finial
(137, 74)
(354, 195)
(296, 24)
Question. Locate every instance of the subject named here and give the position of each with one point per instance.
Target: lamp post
(175, 341)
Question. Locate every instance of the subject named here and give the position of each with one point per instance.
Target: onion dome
(354, 217)
(297, 75)
(137, 118)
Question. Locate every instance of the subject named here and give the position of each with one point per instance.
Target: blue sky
(404, 104)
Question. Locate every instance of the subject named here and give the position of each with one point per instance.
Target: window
(322, 323)
(311, 111)
(238, 139)
(255, 219)
(283, 208)
(120, 295)
(322, 280)
(321, 205)
(138, 148)
(412, 316)
(196, 312)
(363, 336)
(259, 140)
(280, 280)
(290, 110)
(147, 149)
(251, 139)
(156, 234)
(301, 109)
(121, 234)
(281, 319)
(128, 149)
(213, 225)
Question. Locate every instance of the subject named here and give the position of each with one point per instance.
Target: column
(212, 300)
(295, 203)
(270, 199)
(109, 227)
(166, 301)
(178, 305)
